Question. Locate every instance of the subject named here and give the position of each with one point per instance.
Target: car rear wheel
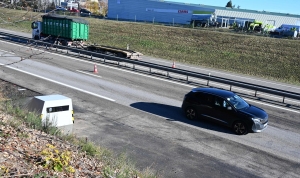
(190, 113)
(240, 128)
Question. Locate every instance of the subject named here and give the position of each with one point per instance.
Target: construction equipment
(255, 26)
(72, 31)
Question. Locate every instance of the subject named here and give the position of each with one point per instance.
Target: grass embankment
(30, 149)
(276, 59)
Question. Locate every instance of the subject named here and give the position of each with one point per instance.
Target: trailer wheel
(64, 43)
(120, 55)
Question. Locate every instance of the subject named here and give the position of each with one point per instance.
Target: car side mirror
(229, 108)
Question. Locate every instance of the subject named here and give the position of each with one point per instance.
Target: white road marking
(69, 86)
(191, 86)
(89, 74)
(7, 51)
(295, 111)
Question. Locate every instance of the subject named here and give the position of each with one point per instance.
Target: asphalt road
(140, 115)
(212, 72)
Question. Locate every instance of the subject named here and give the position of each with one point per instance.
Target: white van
(55, 110)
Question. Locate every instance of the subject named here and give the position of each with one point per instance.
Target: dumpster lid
(74, 19)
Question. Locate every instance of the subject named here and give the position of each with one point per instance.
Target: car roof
(215, 91)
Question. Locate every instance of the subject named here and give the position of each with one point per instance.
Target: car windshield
(237, 102)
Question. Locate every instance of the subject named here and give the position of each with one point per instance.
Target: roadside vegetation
(275, 59)
(30, 149)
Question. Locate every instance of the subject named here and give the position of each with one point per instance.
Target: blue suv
(226, 108)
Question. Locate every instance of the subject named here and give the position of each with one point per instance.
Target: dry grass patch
(28, 148)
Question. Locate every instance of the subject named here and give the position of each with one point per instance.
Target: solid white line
(191, 86)
(89, 74)
(272, 105)
(69, 86)
(6, 51)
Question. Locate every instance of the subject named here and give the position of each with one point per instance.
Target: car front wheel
(190, 113)
(240, 128)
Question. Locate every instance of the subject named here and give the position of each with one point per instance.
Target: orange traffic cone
(173, 65)
(95, 69)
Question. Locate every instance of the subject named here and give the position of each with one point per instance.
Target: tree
(52, 6)
(92, 6)
(103, 8)
(229, 4)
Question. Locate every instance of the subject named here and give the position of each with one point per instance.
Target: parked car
(85, 12)
(224, 107)
(61, 9)
(74, 10)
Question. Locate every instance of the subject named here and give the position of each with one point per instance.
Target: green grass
(276, 59)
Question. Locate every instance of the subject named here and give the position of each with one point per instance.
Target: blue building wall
(157, 11)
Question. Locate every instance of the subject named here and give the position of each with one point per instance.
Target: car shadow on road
(173, 113)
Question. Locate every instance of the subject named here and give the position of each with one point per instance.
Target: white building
(181, 13)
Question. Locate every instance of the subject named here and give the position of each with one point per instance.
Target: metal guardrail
(257, 88)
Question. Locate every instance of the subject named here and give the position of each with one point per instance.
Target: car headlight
(256, 119)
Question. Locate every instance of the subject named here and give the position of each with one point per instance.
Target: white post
(222, 23)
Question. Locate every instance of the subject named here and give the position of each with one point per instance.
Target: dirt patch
(12, 91)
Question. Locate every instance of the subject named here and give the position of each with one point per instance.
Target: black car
(224, 107)
(85, 12)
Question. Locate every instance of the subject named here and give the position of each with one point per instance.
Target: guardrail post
(208, 80)
(168, 74)
(255, 93)
(118, 63)
(133, 66)
(150, 70)
(187, 78)
(79, 54)
(230, 88)
(283, 99)
(91, 56)
(104, 60)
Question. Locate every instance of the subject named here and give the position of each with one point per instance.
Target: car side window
(207, 99)
(220, 102)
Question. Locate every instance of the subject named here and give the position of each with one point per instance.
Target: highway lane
(157, 114)
(205, 70)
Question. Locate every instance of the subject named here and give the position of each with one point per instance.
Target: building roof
(231, 9)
